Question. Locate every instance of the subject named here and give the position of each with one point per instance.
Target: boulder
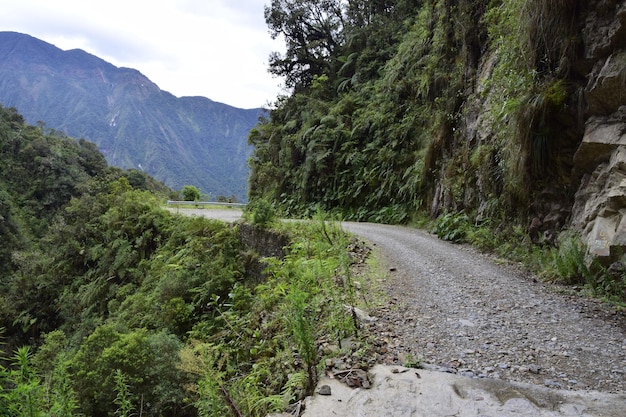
(398, 391)
(599, 211)
(605, 28)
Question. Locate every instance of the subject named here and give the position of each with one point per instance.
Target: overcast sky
(213, 48)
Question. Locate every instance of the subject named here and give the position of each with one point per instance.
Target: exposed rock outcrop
(599, 211)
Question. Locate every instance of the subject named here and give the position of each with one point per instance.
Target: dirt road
(460, 313)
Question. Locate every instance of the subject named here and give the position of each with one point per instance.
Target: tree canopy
(374, 126)
(113, 305)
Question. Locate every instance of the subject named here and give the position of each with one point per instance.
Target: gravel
(457, 311)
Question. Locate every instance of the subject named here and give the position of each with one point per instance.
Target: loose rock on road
(479, 326)
(464, 314)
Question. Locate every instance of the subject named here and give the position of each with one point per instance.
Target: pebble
(467, 327)
(324, 390)
(552, 384)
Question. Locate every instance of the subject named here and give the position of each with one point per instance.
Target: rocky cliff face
(599, 211)
(583, 186)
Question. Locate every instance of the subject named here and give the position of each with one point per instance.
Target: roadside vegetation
(113, 305)
(376, 126)
(564, 260)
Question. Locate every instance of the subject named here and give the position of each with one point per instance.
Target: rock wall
(259, 243)
(599, 211)
(587, 189)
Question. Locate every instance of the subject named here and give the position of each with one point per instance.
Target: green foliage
(366, 147)
(312, 32)
(27, 395)
(452, 227)
(412, 362)
(383, 133)
(211, 402)
(52, 360)
(568, 263)
(260, 212)
(24, 394)
(259, 352)
(136, 310)
(190, 193)
(535, 42)
(301, 322)
(122, 399)
(146, 359)
(131, 304)
(608, 285)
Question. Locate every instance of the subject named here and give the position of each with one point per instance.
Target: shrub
(567, 263)
(452, 227)
(190, 193)
(260, 212)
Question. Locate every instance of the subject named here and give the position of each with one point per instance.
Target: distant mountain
(180, 141)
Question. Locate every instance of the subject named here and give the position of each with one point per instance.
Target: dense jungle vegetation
(460, 115)
(375, 125)
(112, 305)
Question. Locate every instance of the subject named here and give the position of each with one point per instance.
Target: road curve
(230, 214)
(463, 313)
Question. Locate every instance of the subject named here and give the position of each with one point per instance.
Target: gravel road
(230, 214)
(459, 312)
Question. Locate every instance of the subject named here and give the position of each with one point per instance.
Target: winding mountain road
(463, 314)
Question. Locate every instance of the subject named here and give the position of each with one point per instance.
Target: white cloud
(213, 48)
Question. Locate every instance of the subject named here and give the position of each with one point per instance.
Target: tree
(313, 32)
(148, 362)
(191, 193)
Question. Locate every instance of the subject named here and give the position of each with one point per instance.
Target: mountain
(180, 141)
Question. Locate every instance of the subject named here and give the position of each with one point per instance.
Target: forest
(381, 94)
(112, 305)
(479, 120)
(462, 116)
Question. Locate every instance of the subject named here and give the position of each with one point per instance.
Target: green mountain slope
(112, 305)
(401, 107)
(189, 140)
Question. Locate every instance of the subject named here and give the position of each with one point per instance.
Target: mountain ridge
(179, 140)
